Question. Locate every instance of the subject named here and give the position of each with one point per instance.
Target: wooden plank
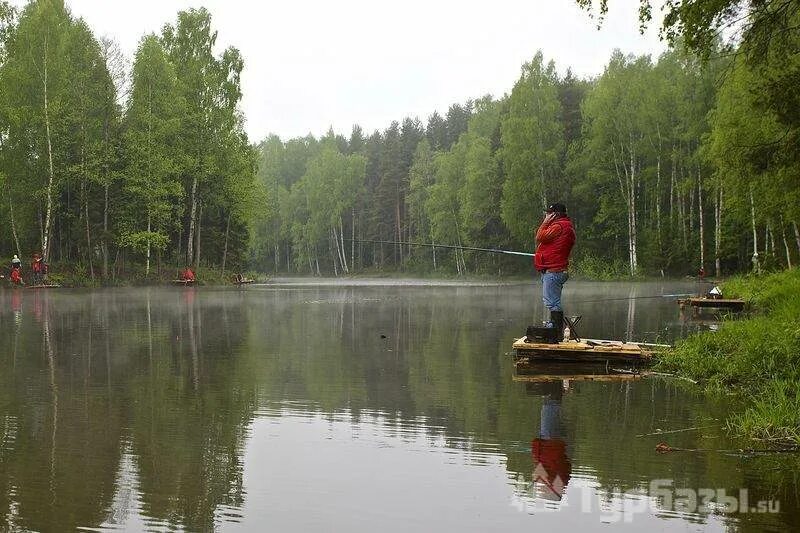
(572, 351)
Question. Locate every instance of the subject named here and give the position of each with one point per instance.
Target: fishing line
(449, 246)
(632, 298)
(509, 252)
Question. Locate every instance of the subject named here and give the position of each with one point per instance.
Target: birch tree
(152, 124)
(616, 138)
(532, 146)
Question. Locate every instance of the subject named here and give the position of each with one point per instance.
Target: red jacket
(555, 244)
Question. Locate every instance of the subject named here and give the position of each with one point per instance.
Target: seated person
(187, 275)
(16, 277)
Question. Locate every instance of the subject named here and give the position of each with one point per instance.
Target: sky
(313, 65)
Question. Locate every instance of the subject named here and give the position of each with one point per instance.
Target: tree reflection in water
(133, 408)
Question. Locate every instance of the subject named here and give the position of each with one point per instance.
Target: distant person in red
(701, 273)
(16, 277)
(187, 275)
(37, 267)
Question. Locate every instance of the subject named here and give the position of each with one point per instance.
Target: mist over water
(308, 405)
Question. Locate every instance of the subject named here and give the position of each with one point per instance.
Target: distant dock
(734, 304)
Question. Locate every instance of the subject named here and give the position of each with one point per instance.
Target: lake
(382, 404)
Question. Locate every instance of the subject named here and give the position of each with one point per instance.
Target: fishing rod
(450, 246)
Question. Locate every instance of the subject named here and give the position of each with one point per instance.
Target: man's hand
(550, 217)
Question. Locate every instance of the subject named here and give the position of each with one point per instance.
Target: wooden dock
(584, 351)
(734, 304)
(43, 286)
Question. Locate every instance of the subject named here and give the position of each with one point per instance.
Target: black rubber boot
(557, 317)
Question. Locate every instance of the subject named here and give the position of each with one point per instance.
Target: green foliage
(91, 179)
(759, 356)
(142, 240)
(533, 142)
(592, 267)
(669, 164)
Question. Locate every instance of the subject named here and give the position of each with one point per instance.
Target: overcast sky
(310, 65)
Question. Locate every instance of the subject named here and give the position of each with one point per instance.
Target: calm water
(353, 407)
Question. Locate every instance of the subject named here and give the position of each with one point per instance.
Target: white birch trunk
(353, 238)
(658, 200)
(796, 236)
(225, 249)
(771, 233)
(632, 210)
(786, 246)
(13, 222)
(756, 266)
(147, 262)
(50, 177)
(718, 230)
(197, 234)
(105, 232)
(192, 214)
(344, 250)
(338, 253)
(700, 216)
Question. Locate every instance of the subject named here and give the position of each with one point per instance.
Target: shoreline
(209, 277)
(756, 357)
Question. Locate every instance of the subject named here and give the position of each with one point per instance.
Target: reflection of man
(553, 468)
(555, 238)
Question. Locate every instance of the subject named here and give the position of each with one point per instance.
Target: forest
(113, 167)
(666, 165)
(117, 167)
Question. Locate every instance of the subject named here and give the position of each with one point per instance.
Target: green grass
(757, 357)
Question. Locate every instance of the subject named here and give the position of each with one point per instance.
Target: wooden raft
(585, 351)
(716, 303)
(184, 282)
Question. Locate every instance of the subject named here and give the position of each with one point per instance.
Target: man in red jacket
(555, 238)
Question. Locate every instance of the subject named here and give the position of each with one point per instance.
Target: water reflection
(329, 407)
(552, 465)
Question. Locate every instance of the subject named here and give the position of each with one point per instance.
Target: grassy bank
(757, 356)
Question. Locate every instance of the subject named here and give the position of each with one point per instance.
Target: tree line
(113, 168)
(667, 166)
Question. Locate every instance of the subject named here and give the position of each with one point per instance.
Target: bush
(595, 268)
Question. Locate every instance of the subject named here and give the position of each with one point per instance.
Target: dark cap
(557, 208)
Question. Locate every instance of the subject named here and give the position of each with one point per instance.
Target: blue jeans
(552, 283)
